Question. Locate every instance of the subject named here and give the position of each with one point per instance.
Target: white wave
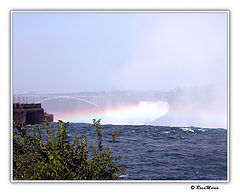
(187, 129)
(166, 132)
(123, 176)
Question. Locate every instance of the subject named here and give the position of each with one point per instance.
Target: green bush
(57, 158)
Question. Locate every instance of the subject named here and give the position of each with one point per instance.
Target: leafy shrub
(57, 158)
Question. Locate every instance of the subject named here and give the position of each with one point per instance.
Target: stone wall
(30, 114)
(34, 116)
(19, 116)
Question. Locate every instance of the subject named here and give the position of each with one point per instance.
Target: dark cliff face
(29, 114)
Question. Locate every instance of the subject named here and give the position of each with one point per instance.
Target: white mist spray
(144, 112)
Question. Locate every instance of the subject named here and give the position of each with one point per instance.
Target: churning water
(164, 153)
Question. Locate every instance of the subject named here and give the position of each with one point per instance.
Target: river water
(164, 153)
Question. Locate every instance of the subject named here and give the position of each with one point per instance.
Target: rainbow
(143, 112)
(146, 112)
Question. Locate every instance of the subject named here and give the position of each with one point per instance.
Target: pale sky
(73, 52)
